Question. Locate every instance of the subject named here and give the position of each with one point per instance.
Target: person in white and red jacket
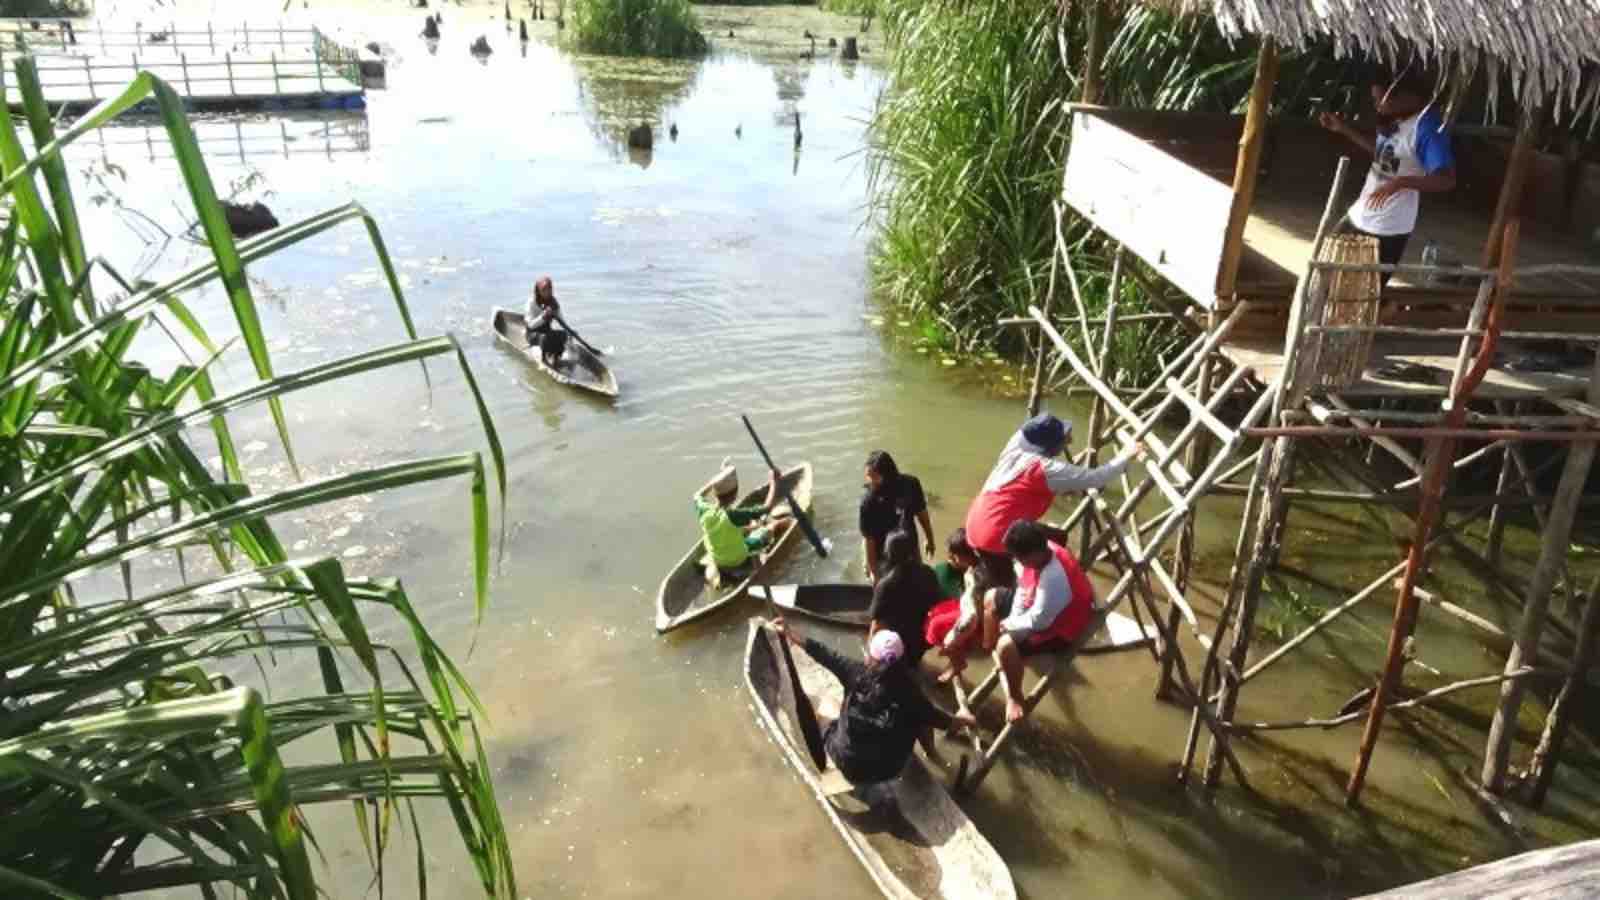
(1022, 486)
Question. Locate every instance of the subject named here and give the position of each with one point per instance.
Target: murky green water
(729, 273)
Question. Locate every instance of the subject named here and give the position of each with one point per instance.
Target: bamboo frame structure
(1197, 398)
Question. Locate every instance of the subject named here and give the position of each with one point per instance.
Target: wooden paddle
(804, 713)
(799, 514)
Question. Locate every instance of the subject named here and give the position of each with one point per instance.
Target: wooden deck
(1558, 873)
(1264, 355)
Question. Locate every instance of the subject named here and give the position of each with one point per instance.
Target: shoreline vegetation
(967, 150)
(661, 28)
(140, 761)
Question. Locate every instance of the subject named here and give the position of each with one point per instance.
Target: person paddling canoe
(884, 711)
(541, 317)
(732, 534)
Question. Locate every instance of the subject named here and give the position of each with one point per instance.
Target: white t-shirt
(1417, 146)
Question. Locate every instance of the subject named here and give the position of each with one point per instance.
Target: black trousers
(1391, 249)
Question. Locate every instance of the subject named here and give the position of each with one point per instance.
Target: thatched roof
(1547, 49)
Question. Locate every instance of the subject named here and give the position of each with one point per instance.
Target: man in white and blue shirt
(1411, 155)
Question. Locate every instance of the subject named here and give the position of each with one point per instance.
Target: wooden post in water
(228, 58)
(1497, 515)
(1557, 538)
(1103, 366)
(1441, 444)
(1542, 769)
(211, 36)
(281, 44)
(188, 89)
(1508, 205)
(88, 75)
(1246, 166)
(316, 52)
(275, 89)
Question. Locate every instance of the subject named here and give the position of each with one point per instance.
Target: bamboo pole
(1508, 204)
(1557, 536)
(1547, 755)
(1441, 454)
(1511, 677)
(1038, 363)
(1094, 53)
(1246, 167)
(1103, 365)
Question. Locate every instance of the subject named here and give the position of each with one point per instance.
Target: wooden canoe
(685, 594)
(847, 604)
(582, 369)
(919, 847)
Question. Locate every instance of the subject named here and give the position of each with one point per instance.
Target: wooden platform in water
(1558, 873)
(1264, 354)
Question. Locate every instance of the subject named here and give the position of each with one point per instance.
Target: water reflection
(619, 95)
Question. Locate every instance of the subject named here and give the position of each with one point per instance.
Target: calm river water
(730, 275)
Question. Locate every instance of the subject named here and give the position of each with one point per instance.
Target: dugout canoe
(919, 846)
(686, 596)
(848, 604)
(582, 370)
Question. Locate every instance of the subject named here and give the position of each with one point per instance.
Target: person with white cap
(1024, 483)
(730, 533)
(884, 711)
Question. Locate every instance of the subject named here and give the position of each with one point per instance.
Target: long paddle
(577, 337)
(805, 715)
(799, 514)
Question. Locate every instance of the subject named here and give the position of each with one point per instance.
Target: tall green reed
(130, 755)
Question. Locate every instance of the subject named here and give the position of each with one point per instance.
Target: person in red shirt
(1050, 607)
(1022, 486)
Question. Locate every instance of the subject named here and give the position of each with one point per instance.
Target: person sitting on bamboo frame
(1049, 608)
(1411, 155)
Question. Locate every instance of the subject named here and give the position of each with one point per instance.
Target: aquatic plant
(967, 153)
(133, 754)
(666, 28)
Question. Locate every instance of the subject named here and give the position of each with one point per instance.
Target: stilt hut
(1471, 358)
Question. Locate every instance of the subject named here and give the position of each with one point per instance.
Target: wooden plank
(1170, 214)
(1199, 411)
(1557, 873)
(1251, 137)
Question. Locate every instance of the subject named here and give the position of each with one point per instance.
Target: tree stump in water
(480, 47)
(849, 51)
(523, 24)
(641, 138)
(430, 29)
(246, 219)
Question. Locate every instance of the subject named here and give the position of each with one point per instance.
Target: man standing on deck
(1410, 155)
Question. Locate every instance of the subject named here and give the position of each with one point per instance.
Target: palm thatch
(1547, 50)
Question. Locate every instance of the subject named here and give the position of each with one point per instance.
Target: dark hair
(899, 548)
(957, 543)
(1025, 538)
(1409, 79)
(881, 462)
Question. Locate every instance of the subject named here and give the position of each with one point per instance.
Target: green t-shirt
(951, 580)
(722, 530)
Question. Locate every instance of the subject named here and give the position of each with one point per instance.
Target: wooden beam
(1509, 203)
(1246, 167)
(1094, 54)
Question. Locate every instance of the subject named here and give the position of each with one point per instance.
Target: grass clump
(665, 28)
(142, 590)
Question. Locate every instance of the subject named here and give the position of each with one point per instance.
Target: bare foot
(1014, 712)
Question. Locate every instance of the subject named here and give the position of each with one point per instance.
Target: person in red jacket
(1024, 483)
(1050, 607)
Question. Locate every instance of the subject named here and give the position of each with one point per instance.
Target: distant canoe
(847, 604)
(583, 370)
(686, 596)
(921, 846)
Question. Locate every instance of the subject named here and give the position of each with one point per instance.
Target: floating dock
(215, 68)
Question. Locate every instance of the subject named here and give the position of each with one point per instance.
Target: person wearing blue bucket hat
(1024, 483)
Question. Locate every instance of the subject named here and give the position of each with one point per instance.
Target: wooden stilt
(1547, 755)
(1497, 515)
(1094, 53)
(1557, 538)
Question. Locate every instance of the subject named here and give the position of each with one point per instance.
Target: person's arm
(556, 313)
(873, 552)
(925, 710)
(880, 601)
(1051, 598)
(1427, 184)
(1434, 155)
(1065, 478)
(847, 670)
(1336, 124)
(928, 547)
(772, 490)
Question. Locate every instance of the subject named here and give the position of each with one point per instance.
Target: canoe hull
(583, 371)
(685, 596)
(923, 846)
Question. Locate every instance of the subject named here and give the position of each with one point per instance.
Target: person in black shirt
(884, 711)
(902, 598)
(893, 502)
